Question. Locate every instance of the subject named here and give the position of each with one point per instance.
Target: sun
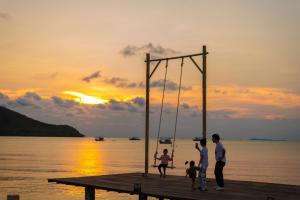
(85, 99)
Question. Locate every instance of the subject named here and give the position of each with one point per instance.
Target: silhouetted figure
(164, 160)
(203, 164)
(192, 172)
(220, 162)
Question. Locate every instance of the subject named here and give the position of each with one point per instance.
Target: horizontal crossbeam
(176, 57)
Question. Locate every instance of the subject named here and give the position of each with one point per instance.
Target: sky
(82, 63)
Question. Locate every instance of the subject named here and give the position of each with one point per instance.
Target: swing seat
(169, 167)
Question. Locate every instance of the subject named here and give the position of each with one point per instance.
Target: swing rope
(177, 109)
(161, 111)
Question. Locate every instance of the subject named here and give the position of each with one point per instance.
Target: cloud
(123, 83)
(117, 81)
(101, 106)
(158, 50)
(4, 16)
(212, 114)
(46, 76)
(92, 76)
(222, 113)
(185, 106)
(140, 101)
(195, 113)
(131, 50)
(28, 99)
(53, 75)
(126, 117)
(134, 105)
(3, 97)
(218, 91)
(63, 102)
(32, 95)
(170, 85)
(252, 97)
(116, 105)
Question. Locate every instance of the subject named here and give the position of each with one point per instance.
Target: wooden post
(143, 197)
(204, 92)
(13, 197)
(89, 193)
(147, 113)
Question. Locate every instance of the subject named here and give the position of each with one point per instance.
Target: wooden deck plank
(179, 187)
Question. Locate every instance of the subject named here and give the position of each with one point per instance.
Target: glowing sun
(85, 99)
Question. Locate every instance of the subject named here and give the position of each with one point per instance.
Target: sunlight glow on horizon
(85, 99)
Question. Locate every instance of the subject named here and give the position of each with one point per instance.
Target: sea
(27, 162)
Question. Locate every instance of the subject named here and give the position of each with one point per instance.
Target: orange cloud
(254, 95)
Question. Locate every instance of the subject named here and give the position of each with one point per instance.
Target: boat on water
(99, 138)
(165, 141)
(197, 139)
(134, 138)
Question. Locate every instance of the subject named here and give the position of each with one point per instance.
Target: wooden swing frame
(149, 74)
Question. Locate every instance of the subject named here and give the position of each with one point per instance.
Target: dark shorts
(163, 165)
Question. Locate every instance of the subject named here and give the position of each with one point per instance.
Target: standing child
(164, 160)
(203, 164)
(220, 162)
(192, 172)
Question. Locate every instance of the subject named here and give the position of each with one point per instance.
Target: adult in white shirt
(203, 163)
(220, 162)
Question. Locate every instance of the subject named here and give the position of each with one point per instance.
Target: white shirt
(219, 152)
(204, 154)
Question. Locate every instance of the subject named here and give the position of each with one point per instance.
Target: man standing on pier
(220, 162)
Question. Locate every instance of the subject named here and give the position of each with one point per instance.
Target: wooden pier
(179, 187)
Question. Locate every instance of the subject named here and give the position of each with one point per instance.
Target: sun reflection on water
(89, 160)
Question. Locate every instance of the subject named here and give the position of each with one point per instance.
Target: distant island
(15, 124)
(266, 139)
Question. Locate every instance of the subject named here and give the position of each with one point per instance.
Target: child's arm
(155, 156)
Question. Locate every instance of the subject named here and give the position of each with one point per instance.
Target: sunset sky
(82, 63)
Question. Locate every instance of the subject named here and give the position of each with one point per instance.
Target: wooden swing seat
(169, 167)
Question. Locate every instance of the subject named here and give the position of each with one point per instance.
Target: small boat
(99, 138)
(197, 139)
(134, 138)
(165, 141)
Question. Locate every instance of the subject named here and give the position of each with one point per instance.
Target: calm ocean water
(27, 162)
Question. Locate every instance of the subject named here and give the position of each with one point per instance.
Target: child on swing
(164, 161)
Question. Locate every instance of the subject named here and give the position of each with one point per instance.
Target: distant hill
(15, 124)
(267, 139)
